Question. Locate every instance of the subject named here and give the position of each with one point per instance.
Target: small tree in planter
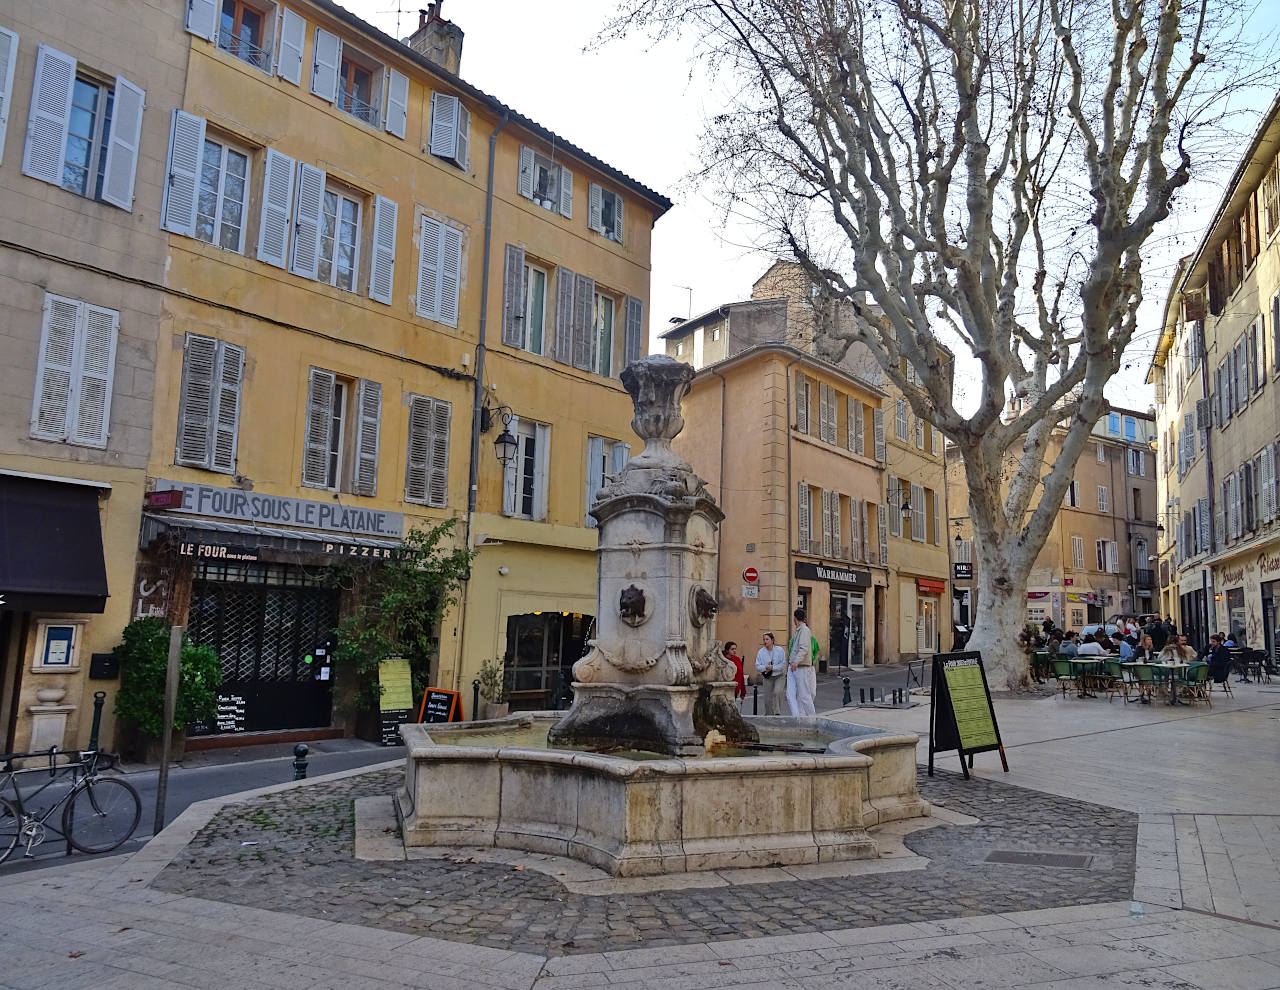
(144, 661)
(494, 688)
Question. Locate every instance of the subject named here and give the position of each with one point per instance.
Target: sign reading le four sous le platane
(961, 716)
(280, 510)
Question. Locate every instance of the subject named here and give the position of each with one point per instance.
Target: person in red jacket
(739, 681)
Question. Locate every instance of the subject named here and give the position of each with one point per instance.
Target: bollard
(99, 698)
(848, 695)
(755, 699)
(300, 761)
(475, 699)
(862, 696)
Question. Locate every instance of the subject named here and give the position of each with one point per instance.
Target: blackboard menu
(439, 705)
(961, 716)
(230, 717)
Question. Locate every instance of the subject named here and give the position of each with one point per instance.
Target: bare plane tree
(979, 171)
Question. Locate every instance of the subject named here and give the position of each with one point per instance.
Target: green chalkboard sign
(961, 716)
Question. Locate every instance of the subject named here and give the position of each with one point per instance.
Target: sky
(640, 108)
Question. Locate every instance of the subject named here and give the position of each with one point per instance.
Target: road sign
(750, 575)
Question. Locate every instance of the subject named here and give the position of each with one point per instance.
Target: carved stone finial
(657, 384)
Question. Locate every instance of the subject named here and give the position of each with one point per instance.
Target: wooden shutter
(802, 402)
(324, 66)
(884, 539)
(513, 308)
(877, 422)
(438, 475)
(584, 292)
(122, 144)
(95, 373)
(202, 18)
(541, 473)
(634, 350)
(1113, 557)
(443, 140)
(293, 29)
(566, 193)
(595, 473)
(49, 116)
(226, 419)
(51, 408)
(308, 215)
(8, 60)
(418, 452)
(382, 267)
(565, 280)
(618, 221)
(277, 208)
(621, 454)
(524, 181)
(824, 410)
(450, 274)
(369, 420)
(865, 529)
(859, 428)
(463, 157)
(893, 489)
(1268, 483)
(196, 406)
(429, 269)
(397, 102)
(802, 516)
(936, 441)
(826, 523)
(836, 548)
(186, 147)
(855, 530)
(595, 208)
(937, 519)
(315, 444)
(511, 471)
(918, 524)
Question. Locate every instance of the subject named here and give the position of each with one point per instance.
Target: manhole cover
(1066, 861)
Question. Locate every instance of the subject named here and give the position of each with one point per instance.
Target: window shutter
(464, 137)
(226, 421)
(937, 519)
(429, 269)
(50, 411)
(397, 102)
(595, 208)
(836, 548)
(443, 141)
(511, 472)
(635, 330)
(1268, 485)
(513, 297)
(49, 116)
(324, 65)
(1202, 512)
(1113, 557)
(186, 146)
(369, 410)
(418, 452)
(859, 428)
(202, 18)
(918, 524)
(382, 267)
(802, 516)
(802, 402)
(1251, 356)
(438, 478)
(877, 420)
(621, 454)
(315, 444)
(566, 193)
(865, 530)
(881, 514)
(824, 411)
(584, 291)
(855, 530)
(277, 208)
(8, 60)
(97, 369)
(541, 461)
(893, 490)
(293, 29)
(122, 144)
(1242, 374)
(826, 523)
(196, 407)
(450, 273)
(307, 217)
(564, 315)
(919, 433)
(595, 473)
(524, 181)
(937, 441)
(619, 219)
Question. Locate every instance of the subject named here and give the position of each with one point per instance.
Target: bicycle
(99, 814)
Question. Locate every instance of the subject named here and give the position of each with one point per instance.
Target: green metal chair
(1195, 683)
(1144, 679)
(1064, 675)
(1115, 679)
(1040, 665)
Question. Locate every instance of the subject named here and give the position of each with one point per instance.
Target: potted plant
(493, 688)
(144, 662)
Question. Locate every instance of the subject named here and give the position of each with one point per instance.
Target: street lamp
(505, 445)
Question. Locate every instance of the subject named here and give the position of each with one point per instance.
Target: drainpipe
(720, 484)
(791, 585)
(1208, 472)
(473, 478)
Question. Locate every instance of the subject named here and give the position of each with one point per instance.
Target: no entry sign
(750, 575)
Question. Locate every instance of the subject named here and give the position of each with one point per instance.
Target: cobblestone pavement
(293, 852)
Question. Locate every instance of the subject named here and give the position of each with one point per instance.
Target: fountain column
(654, 678)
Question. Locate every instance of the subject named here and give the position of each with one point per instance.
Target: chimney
(437, 39)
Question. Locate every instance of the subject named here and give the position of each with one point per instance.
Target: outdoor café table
(1174, 669)
(1084, 667)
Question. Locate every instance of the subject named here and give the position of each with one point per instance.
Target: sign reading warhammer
(231, 503)
(834, 575)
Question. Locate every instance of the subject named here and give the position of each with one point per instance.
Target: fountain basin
(464, 786)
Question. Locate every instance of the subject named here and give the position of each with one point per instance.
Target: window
(604, 458)
(339, 409)
(1108, 558)
(8, 62)
(72, 401)
(356, 80)
(450, 136)
(902, 419)
(1104, 502)
(1137, 463)
(918, 516)
(224, 191)
(1130, 428)
(1077, 553)
(1073, 495)
(1137, 503)
(339, 240)
(604, 310)
(802, 402)
(241, 33)
(82, 130)
(936, 440)
(439, 271)
(1102, 453)
(426, 476)
(964, 551)
(209, 410)
(828, 412)
(919, 434)
(1271, 198)
(680, 349)
(525, 479)
(605, 212)
(715, 333)
(535, 307)
(1113, 424)
(546, 182)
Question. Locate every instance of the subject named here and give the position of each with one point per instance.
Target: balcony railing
(357, 107)
(1144, 577)
(244, 50)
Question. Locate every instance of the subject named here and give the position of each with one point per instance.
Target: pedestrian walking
(802, 682)
(771, 665)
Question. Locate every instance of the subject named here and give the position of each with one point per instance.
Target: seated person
(1121, 645)
(1145, 653)
(1091, 648)
(1219, 658)
(1070, 645)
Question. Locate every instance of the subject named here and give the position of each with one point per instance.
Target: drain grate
(1065, 861)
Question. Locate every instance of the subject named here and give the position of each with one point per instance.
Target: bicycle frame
(79, 771)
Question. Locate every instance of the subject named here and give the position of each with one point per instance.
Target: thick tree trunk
(1003, 568)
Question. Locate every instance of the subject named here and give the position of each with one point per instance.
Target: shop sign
(930, 587)
(962, 571)
(215, 551)
(281, 510)
(1269, 565)
(355, 550)
(833, 575)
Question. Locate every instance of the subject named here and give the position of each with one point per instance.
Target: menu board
(396, 701)
(961, 716)
(439, 705)
(230, 717)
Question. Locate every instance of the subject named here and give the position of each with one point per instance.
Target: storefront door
(845, 642)
(542, 648)
(1270, 620)
(926, 625)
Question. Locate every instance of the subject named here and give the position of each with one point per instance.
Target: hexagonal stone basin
(636, 814)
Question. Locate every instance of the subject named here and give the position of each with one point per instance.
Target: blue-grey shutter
(186, 146)
(368, 424)
(324, 67)
(226, 419)
(397, 102)
(8, 60)
(196, 406)
(277, 209)
(382, 267)
(319, 420)
(635, 329)
(595, 473)
(49, 116)
(513, 308)
(202, 18)
(565, 281)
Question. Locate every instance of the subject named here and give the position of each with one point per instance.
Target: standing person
(1159, 634)
(739, 682)
(802, 680)
(771, 665)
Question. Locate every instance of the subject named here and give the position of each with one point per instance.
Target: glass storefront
(542, 648)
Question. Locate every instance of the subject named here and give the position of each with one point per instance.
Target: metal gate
(265, 622)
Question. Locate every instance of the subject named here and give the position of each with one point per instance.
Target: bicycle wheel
(101, 814)
(10, 828)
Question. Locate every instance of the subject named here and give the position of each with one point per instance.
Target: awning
(252, 536)
(50, 547)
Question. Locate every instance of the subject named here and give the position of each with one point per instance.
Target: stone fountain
(623, 780)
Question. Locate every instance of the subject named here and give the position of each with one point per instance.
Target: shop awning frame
(51, 556)
(156, 526)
